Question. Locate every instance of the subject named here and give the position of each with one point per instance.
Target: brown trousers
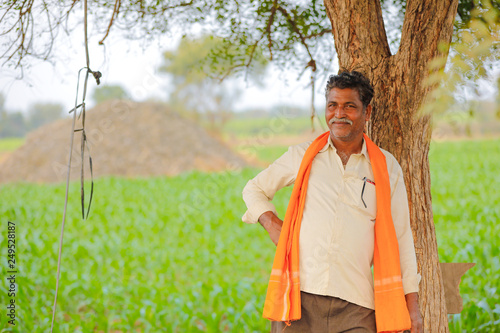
(325, 314)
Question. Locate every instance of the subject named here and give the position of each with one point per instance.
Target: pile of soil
(125, 139)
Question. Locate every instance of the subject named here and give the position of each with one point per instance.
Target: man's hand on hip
(272, 224)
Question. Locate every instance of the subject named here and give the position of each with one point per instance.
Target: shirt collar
(329, 144)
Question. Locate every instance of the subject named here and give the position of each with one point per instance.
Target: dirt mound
(125, 139)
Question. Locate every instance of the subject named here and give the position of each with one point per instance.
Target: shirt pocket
(365, 198)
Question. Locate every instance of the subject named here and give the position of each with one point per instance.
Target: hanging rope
(84, 144)
(312, 64)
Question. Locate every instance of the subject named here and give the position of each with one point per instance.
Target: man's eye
(350, 106)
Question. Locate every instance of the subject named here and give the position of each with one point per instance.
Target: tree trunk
(396, 125)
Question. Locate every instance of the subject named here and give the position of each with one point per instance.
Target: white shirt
(337, 230)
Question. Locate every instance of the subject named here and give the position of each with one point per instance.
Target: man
(337, 206)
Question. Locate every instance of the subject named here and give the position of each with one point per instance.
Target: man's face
(344, 114)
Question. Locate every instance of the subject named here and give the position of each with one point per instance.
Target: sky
(135, 67)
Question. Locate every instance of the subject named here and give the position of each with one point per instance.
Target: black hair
(353, 80)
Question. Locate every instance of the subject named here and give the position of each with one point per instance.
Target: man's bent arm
(272, 224)
(260, 190)
(401, 218)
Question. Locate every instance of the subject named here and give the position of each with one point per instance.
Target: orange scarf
(283, 293)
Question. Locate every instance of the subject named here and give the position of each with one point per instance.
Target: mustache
(339, 120)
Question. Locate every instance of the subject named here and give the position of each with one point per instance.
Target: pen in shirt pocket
(365, 180)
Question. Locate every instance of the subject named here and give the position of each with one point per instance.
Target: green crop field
(253, 126)
(172, 255)
(10, 144)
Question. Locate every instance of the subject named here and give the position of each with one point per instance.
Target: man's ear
(368, 112)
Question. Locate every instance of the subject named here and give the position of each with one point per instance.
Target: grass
(154, 256)
(466, 206)
(172, 255)
(10, 144)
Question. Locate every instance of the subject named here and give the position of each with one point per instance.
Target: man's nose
(339, 111)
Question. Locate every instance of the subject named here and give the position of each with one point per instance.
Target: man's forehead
(352, 94)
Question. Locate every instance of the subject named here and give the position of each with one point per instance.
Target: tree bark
(396, 125)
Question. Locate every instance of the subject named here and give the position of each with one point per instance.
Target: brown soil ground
(125, 139)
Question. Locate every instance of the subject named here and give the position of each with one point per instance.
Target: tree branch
(359, 33)
(116, 9)
(319, 34)
(266, 31)
(51, 30)
(3, 16)
(296, 29)
(164, 9)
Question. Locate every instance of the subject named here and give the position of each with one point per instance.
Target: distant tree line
(17, 123)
